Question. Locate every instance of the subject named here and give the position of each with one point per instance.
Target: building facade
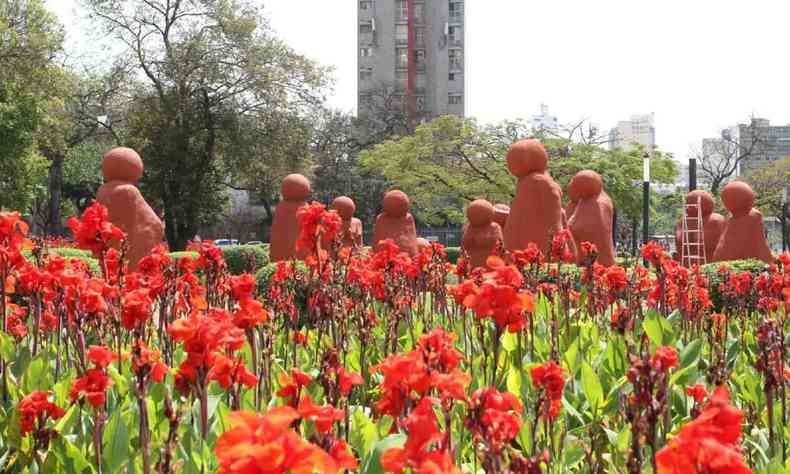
(411, 57)
(638, 130)
(544, 121)
(761, 142)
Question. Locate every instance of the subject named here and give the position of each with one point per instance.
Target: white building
(638, 130)
(544, 121)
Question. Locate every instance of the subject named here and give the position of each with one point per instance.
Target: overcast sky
(699, 65)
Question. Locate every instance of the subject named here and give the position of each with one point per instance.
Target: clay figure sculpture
(713, 225)
(592, 216)
(536, 211)
(122, 169)
(352, 227)
(396, 222)
(482, 234)
(501, 213)
(295, 189)
(743, 235)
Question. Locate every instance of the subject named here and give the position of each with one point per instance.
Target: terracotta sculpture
(713, 225)
(593, 212)
(743, 235)
(536, 211)
(127, 209)
(352, 227)
(482, 234)
(396, 222)
(295, 189)
(501, 213)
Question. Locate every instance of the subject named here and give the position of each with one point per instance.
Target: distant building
(638, 130)
(544, 121)
(762, 142)
(414, 49)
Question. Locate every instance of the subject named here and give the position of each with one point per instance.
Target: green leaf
(690, 353)
(116, 442)
(509, 341)
(7, 347)
(67, 421)
(514, 380)
(71, 458)
(652, 327)
(591, 386)
(373, 464)
(363, 433)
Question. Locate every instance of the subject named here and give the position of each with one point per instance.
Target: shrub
(68, 252)
(178, 255)
(452, 254)
(711, 271)
(245, 258)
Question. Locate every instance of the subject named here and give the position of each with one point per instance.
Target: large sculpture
(592, 216)
(295, 189)
(482, 234)
(743, 235)
(536, 211)
(713, 225)
(396, 222)
(352, 227)
(501, 213)
(122, 169)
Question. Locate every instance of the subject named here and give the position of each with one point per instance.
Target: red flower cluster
(665, 358)
(94, 231)
(318, 228)
(93, 384)
(494, 418)
(708, 444)
(249, 312)
(550, 378)
(34, 410)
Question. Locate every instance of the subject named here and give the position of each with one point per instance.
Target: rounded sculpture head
(345, 207)
(585, 184)
(704, 198)
(122, 164)
(525, 157)
(501, 213)
(295, 187)
(480, 212)
(396, 203)
(738, 197)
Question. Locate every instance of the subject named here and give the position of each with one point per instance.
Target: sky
(699, 65)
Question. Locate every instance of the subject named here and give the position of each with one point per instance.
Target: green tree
(212, 72)
(452, 160)
(768, 183)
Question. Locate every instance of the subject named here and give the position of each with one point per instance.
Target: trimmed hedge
(452, 254)
(180, 255)
(245, 258)
(711, 271)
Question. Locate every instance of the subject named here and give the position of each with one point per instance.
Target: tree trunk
(55, 195)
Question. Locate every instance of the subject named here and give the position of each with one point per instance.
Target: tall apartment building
(544, 120)
(761, 142)
(411, 56)
(638, 130)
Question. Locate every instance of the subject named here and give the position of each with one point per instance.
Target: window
(402, 10)
(455, 99)
(420, 102)
(451, 76)
(419, 36)
(418, 12)
(419, 57)
(456, 59)
(401, 34)
(456, 10)
(365, 4)
(366, 52)
(366, 28)
(421, 81)
(402, 55)
(456, 34)
(366, 73)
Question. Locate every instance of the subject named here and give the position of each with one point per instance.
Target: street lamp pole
(645, 197)
(783, 220)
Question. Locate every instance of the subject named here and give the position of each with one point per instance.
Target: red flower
(242, 286)
(92, 386)
(93, 231)
(654, 253)
(291, 386)
(228, 372)
(697, 392)
(346, 380)
(146, 361)
(36, 407)
(136, 308)
(101, 356)
(342, 455)
(551, 378)
(266, 444)
(708, 444)
(495, 417)
(665, 358)
(323, 417)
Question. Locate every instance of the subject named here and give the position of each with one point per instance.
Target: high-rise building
(638, 130)
(760, 142)
(544, 121)
(411, 57)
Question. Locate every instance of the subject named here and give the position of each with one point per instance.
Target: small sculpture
(743, 235)
(482, 234)
(396, 222)
(295, 189)
(352, 227)
(122, 169)
(536, 211)
(713, 225)
(501, 213)
(592, 215)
